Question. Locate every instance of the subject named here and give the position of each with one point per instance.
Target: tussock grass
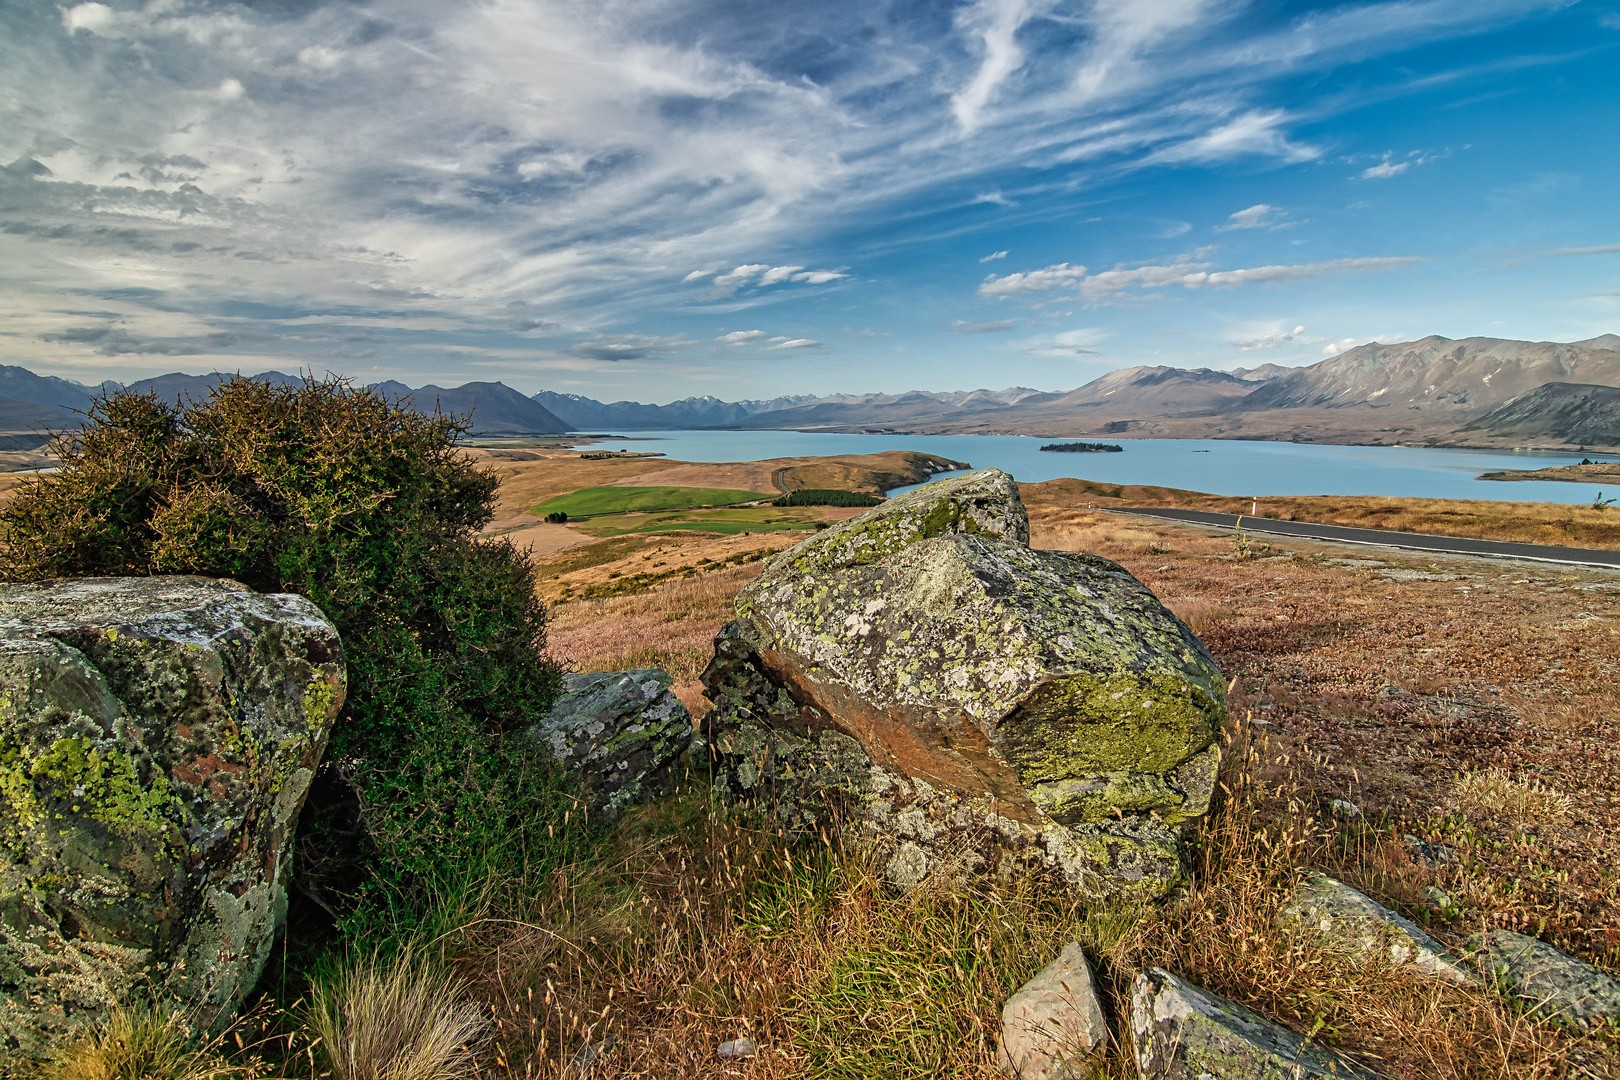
(397, 1019)
(1494, 793)
(141, 1042)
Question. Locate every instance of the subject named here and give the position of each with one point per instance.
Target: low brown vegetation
(1529, 523)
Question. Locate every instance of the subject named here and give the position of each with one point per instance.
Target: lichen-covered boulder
(980, 705)
(621, 733)
(1359, 926)
(1550, 982)
(1184, 1032)
(157, 739)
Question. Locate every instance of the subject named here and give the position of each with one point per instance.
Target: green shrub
(369, 510)
(826, 497)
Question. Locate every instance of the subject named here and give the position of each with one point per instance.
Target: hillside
(494, 408)
(1147, 391)
(1459, 378)
(587, 414)
(1576, 413)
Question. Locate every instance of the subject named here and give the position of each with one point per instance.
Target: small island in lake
(1082, 448)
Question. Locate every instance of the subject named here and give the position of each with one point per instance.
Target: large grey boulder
(1361, 927)
(157, 739)
(622, 734)
(978, 705)
(1184, 1032)
(1053, 1028)
(1552, 983)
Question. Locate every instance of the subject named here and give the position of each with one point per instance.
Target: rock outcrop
(976, 704)
(1551, 983)
(157, 739)
(622, 733)
(1053, 1028)
(1359, 926)
(1184, 1032)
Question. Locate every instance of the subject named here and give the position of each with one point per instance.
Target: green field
(589, 502)
(732, 520)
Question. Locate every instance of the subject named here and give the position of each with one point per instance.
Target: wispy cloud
(993, 256)
(983, 326)
(1258, 216)
(797, 343)
(1274, 340)
(628, 346)
(1255, 133)
(1111, 284)
(606, 164)
(1085, 342)
(743, 337)
(1600, 249)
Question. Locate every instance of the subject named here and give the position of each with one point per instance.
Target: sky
(651, 199)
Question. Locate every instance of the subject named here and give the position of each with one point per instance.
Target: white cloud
(993, 26)
(1385, 169)
(1600, 249)
(779, 273)
(694, 275)
(819, 277)
(1085, 342)
(729, 282)
(1258, 216)
(629, 346)
(763, 274)
(993, 256)
(1227, 279)
(1060, 276)
(1112, 284)
(1274, 340)
(229, 90)
(742, 337)
(1334, 348)
(1253, 133)
(983, 326)
(797, 343)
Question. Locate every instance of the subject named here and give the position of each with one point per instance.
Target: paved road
(1454, 545)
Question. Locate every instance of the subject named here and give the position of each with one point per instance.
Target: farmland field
(589, 502)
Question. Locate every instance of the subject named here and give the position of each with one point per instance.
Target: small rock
(1553, 983)
(1344, 809)
(1426, 852)
(623, 732)
(737, 1048)
(1053, 1025)
(1183, 1032)
(587, 1056)
(1437, 899)
(1363, 928)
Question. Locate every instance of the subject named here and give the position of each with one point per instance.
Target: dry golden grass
(142, 1042)
(671, 627)
(1530, 523)
(1493, 795)
(397, 1019)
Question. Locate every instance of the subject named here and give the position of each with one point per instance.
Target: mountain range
(1484, 392)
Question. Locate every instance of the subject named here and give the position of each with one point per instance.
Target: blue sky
(647, 200)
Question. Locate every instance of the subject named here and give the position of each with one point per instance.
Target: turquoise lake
(1217, 466)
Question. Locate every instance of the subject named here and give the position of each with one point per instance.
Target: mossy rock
(157, 739)
(621, 734)
(1049, 685)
